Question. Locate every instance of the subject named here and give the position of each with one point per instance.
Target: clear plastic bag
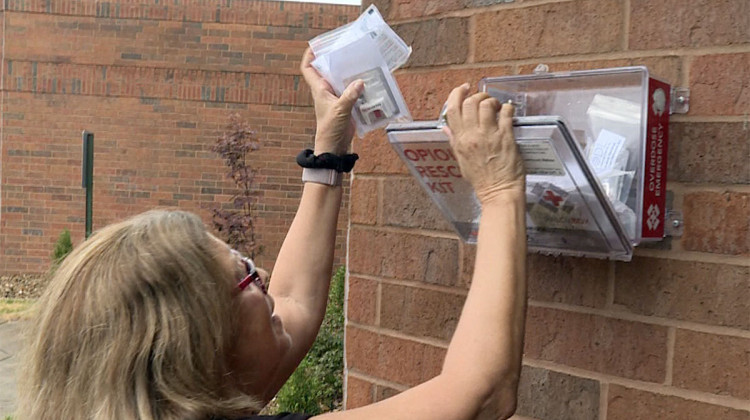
(394, 50)
(366, 49)
(613, 154)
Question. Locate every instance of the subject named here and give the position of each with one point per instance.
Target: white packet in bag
(608, 158)
(366, 49)
(615, 123)
(381, 101)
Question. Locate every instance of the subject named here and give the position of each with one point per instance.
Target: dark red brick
(358, 392)
(576, 281)
(705, 293)
(405, 203)
(403, 256)
(398, 360)
(717, 364)
(364, 205)
(688, 23)
(436, 41)
(545, 394)
(720, 84)
(622, 348)
(376, 155)
(425, 92)
(362, 300)
(547, 30)
(717, 222)
(303, 16)
(633, 404)
(420, 312)
(384, 392)
(405, 9)
(707, 152)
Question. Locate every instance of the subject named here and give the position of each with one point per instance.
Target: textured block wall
(666, 336)
(156, 82)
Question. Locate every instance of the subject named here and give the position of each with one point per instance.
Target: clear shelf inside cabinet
(567, 211)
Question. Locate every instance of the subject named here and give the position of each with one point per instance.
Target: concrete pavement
(10, 347)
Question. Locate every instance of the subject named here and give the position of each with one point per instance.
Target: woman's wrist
(327, 145)
(319, 150)
(510, 196)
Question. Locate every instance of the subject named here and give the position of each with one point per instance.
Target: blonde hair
(135, 324)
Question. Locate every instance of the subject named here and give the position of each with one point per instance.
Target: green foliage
(317, 384)
(63, 246)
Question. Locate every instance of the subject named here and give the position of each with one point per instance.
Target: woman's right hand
(333, 114)
(484, 144)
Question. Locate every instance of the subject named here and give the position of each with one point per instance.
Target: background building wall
(156, 82)
(666, 336)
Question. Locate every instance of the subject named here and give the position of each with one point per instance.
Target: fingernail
(466, 85)
(360, 86)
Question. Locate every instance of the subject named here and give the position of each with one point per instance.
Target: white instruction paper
(539, 158)
(605, 151)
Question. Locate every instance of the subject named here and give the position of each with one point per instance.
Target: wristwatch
(322, 176)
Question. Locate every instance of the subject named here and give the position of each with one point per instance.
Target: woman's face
(260, 342)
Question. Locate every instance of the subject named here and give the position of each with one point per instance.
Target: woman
(155, 318)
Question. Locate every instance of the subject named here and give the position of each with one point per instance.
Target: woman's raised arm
(484, 355)
(303, 269)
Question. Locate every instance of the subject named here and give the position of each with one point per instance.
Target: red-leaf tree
(236, 223)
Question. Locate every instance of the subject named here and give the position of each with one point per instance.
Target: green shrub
(317, 384)
(63, 246)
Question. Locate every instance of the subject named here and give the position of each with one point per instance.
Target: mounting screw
(674, 223)
(680, 103)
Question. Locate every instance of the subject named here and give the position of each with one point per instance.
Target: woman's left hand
(333, 114)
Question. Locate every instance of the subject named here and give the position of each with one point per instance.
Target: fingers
(453, 106)
(349, 96)
(506, 117)
(488, 109)
(470, 108)
(307, 58)
(448, 132)
(312, 77)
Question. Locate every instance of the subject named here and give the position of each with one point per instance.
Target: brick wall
(666, 336)
(156, 82)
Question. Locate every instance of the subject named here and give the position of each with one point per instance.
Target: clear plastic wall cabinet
(594, 144)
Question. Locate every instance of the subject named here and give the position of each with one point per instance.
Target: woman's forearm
(487, 346)
(303, 267)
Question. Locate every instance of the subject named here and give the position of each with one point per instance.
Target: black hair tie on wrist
(345, 163)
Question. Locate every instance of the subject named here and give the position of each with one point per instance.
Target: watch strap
(322, 176)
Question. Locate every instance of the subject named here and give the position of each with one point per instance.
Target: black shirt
(282, 416)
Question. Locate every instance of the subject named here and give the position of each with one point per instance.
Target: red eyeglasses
(251, 276)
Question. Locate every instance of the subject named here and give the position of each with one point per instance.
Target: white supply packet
(370, 23)
(615, 123)
(370, 50)
(608, 157)
(381, 102)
